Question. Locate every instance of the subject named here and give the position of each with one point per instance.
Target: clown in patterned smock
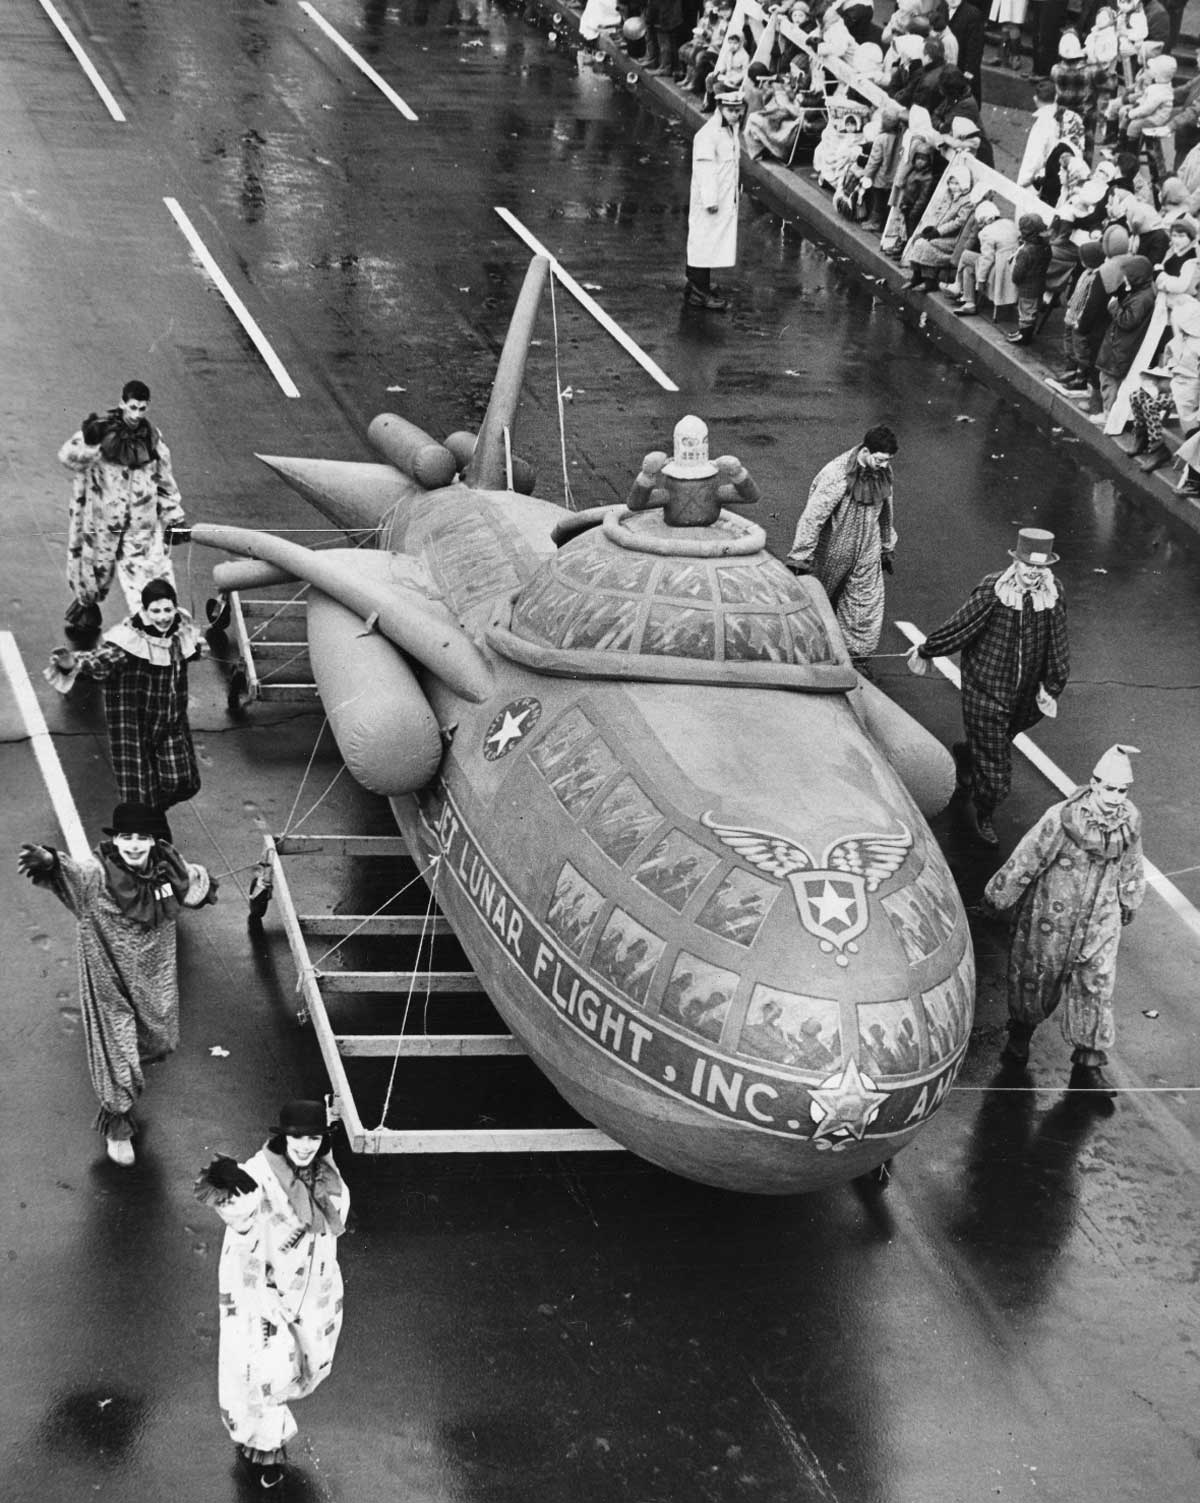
(279, 1280)
(1073, 883)
(126, 899)
(126, 509)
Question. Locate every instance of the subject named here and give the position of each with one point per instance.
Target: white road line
(592, 306)
(85, 62)
(1183, 910)
(43, 747)
(239, 309)
(358, 60)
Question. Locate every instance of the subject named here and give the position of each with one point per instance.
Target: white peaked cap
(1115, 767)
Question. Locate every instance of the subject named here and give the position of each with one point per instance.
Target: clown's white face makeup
(133, 410)
(134, 850)
(1108, 797)
(160, 613)
(302, 1149)
(1029, 575)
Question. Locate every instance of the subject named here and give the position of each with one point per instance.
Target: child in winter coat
(1030, 266)
(1080, 347)
(1131, 309)
(912, 188)
(880, 171)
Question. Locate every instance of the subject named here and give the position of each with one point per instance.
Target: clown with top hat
(1012, 634)
(1072, 884)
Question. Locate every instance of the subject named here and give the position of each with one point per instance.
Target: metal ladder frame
(337, 1048)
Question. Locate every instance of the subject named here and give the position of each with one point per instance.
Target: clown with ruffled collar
(126, 509)
(280, 1284)
(125, 898)
(143, 666)
(1074, 881)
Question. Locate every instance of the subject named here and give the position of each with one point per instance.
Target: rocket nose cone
(351, 494)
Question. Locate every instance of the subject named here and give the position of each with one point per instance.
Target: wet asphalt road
(1014, 1314)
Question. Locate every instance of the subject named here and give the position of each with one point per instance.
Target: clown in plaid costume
(142, 664)
(1012, 634)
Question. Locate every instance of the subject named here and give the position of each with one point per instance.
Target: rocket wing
(382, 588)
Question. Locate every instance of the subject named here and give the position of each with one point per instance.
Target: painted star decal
(512, 730)
(832, 905)
(847, 1101)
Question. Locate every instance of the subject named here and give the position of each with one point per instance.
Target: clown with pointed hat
(1072, 884)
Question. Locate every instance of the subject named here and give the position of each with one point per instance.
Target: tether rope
(568, 497)
(436, 864)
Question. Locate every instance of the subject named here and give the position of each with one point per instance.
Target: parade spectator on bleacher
(987, 271)
(912, 190)
(1049, 126)
(1149, 405)
(1131, 308)
(1183, 358)
(1146, 118)
(1009, 14)
(1179, 274)
(773, 129)
(1084, 323)
(967, 24)
(664, 22)
(1147, 231)
(938, 22)
(882, 165)
(932, 252)
(730, 72)
(1030, 266)
(1069, 75)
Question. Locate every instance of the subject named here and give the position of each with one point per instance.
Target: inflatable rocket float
(681, 841)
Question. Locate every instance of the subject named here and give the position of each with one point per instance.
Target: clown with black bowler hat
(125, 899)
(1012, 634)
(279, 1280)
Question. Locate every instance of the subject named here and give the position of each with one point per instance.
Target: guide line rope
(426, 927)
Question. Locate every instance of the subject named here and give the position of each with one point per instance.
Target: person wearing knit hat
(1075, 880)
(126, 509)
(279, 1281)
(125, 900)
(142, 664)
(988, 270)
(1084, 321)
(1030, 265)
(1012, 634)
(1135, 297)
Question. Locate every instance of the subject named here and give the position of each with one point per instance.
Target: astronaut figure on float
(691, 488)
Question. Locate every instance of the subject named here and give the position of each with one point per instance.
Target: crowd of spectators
(1098, 230)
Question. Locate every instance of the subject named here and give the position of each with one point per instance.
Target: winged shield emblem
(831, 898)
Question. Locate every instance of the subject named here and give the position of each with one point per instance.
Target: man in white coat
(713, 213)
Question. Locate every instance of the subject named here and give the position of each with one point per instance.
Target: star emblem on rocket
(831, 898)
(845, 1104)
(512, 724)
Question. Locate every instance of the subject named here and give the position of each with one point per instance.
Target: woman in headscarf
(279, 1281)
(142, 663)
(932, 251)
(126, 899)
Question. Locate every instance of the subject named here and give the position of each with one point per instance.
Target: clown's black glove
(225, 1173)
